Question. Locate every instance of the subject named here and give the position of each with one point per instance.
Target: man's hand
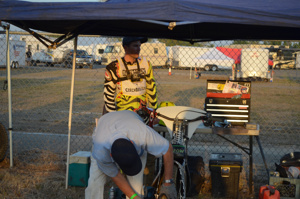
(169, 191)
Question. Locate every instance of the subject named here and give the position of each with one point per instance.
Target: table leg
(263, 156)
(251, 165)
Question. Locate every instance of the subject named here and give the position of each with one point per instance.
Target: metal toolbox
(232, 104)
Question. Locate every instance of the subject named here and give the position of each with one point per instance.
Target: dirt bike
(181, 123)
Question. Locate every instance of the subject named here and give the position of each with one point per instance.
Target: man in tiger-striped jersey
(129, 81)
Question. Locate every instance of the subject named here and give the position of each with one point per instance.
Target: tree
(171, 42)
(245, 42)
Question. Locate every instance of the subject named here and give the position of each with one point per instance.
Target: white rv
(98, 50)
(17, 52)
(155, 52)
(254, 64)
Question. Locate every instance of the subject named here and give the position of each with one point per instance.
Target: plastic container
(288, 188)
(79, 168)
(225, 171)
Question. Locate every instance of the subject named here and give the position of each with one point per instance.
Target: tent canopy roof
(196, 20)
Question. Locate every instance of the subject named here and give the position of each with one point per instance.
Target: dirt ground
(41, 174)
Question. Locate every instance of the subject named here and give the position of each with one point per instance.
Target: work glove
(169, 191)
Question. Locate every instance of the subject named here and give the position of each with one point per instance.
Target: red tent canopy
(234, 53)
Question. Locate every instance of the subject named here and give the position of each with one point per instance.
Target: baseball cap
(127, 40)
(125, 155)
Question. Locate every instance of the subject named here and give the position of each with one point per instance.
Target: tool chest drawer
(229, 100)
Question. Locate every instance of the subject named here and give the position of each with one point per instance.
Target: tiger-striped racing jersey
(120, 93)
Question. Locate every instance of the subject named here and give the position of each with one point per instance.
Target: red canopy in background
(235, 53)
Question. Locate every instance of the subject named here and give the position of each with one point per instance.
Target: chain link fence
(41, 84)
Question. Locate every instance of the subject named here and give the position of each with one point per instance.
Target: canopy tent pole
(9, 97)
(70, 110)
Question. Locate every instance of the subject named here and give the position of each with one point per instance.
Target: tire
(207, 68)
(196, 179)
(68, 64)
(158, 164)
(3, 142)
(49, 64)
(32, 63)
(180, 176)
(15, 64)
(214, 68)
(12, 64)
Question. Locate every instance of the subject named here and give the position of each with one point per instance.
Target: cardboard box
(79, 168)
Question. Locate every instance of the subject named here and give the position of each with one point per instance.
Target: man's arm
(168, 163)
(109, 89)
(168, 189)
(151, 94)
(124, 185)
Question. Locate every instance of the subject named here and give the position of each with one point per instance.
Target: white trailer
(254, 64)
(17, 52)
(36, 46)
(155, 52)
(184, 56)
(214, 60)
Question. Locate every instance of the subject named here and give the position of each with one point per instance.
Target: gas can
(268, 192)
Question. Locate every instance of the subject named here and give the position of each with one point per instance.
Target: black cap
(127, 40)
(125, 155)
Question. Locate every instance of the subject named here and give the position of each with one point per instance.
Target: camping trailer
(214, 60)
(17, 52)
(155, 52)
(184, 56)
(297, 55)
(254, 64)
(96, 50)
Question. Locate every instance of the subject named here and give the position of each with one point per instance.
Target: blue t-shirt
(129, 125)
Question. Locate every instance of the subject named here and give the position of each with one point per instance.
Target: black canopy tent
(195, 20)
(187, 20)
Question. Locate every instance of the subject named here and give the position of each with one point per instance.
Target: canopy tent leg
(8, 69)
(71, 110)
